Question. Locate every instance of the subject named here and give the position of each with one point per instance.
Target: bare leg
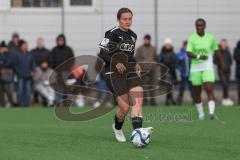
(209, 89)
(136, 95)
(197, 94)
(198, 101)
(122, 110)
(211, 98)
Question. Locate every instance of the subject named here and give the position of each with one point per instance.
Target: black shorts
(120, 84)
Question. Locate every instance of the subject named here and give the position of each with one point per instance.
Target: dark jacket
(60, 54)
(169, 59)
(13, 48)
(6, 60)
(6, 67)
(40, 54)
(227, 59)
(237, 59)
(24, 65)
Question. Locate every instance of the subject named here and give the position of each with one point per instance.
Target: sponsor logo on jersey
(104, 42)
(127, 47)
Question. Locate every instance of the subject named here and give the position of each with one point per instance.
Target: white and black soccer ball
(140, 137)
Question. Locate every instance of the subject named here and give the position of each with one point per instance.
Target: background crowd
(24, 73)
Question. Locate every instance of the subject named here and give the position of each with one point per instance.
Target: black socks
(118, 123)
(137, 122)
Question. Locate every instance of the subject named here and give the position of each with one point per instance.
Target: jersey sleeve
(105, 47)
(214, 46)
(190, 45)
(105, 44)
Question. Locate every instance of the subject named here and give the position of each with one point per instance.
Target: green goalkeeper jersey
(205, 45)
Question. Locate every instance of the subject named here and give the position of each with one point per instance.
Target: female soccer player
(201, 47)
(122, 73)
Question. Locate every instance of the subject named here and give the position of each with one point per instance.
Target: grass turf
(36, 134)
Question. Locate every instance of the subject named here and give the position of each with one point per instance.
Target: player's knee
(197, 101)
(197, 98)
(209, 90)
(197, 95)
(137, 91)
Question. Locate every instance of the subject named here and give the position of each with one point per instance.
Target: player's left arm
(132, 59)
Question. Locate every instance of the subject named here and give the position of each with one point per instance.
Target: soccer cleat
(212, 116)
(201, 117)
(227, 102)
(118, 134)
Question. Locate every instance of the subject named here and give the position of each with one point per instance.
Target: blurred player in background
(201, 47)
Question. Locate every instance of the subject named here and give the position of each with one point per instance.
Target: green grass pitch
(36, 134)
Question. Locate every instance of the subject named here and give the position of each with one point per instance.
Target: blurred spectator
(184, 68)
(237, 59)
(76, 79)
(170, 60)
(101, 86)
(60, 54)
(41, 82)
(39, 54)
(6, 75)
(13, 48)
(225, 76)
(147, 53)
(24, 67)
(13, 45)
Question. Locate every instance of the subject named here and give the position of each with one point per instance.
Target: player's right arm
(105, 49)
(190, 49)
(108, 46)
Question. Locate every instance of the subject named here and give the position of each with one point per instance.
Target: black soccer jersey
(116, 41)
